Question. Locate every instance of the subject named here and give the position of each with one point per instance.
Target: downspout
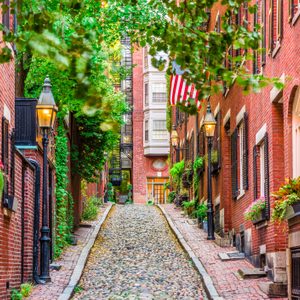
(23, 222)
(37, 188)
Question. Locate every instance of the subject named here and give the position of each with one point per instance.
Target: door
(156, 190)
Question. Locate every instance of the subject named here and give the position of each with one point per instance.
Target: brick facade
(142, 165)
(270, 108)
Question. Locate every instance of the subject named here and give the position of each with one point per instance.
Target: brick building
(150, 137)
(257, 146)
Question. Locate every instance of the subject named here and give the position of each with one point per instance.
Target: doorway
(156, 190)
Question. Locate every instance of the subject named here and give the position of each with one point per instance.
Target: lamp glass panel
(210, 130)
(174, 138)
(46, 116)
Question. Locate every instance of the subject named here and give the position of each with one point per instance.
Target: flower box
(293, 211)
(262, 217)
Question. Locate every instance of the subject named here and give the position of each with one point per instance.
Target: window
(241, 161)
(275, 24)
(146, 131)
(294, 9)
(160, 130)
(6, 14)
(262, 169)
(146, 93)
(261, 172)
(239, 158)
(217, 144)
(159, 94)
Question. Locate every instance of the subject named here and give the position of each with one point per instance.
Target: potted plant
(256, 212)
(187, 177)
(201, 213)
(287, 204)
(205, 225)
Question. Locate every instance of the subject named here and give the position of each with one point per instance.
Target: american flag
(180, 91)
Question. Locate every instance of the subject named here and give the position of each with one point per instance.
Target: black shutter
(263, 34)
(197, 135)
(234, 162)
(280, 21)
(266, 173)
(5, 142)
(192, 147)
(255, 172)
(255, 53)
(245, 153)
(219, 138)
(202, 142)
(6, 15)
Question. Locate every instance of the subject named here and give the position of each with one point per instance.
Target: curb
(206, 279)
(78, 270)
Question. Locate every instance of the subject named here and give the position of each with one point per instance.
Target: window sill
(296, 17)
(276, 49)
(241, 195)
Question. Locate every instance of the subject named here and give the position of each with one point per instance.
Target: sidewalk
(68, 261)
(224, 275)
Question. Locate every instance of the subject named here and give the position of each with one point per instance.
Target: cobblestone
(68, 261)
(136, 256)
(224, 274)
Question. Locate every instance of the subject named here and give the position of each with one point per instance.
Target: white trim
(275, 93)
(217, 109)
(201, 122)
(6, 113)
(261, 134)
(227, 117)
(217, 200)
(240, 115)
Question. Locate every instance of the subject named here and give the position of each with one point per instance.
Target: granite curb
(78, 270)
(206, 279)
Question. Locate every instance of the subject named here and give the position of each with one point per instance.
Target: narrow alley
(136, 256)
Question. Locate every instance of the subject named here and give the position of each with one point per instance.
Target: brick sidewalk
(224, 274)
(68, 261)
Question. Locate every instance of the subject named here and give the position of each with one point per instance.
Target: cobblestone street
(136, 256)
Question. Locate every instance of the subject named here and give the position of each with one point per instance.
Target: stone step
(252, 273)
(227, 256)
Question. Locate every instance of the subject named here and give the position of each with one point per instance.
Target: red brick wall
(260, 111)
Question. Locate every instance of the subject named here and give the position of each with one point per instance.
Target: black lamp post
(209, 125)
(46, 113)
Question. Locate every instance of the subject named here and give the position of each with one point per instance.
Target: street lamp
(209, 125)
(46, 110)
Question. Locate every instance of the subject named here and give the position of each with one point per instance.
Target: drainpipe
(37, 188)
(23, 222)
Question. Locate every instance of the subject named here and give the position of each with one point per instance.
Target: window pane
(159, 130)
(159, 97)
(146, 94)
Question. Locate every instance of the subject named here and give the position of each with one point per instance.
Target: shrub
(189, 206)
(91, 208)
(26, 289)
(171, 197)
(16, 295)
(201, 212)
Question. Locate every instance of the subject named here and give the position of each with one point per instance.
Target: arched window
(296, 134)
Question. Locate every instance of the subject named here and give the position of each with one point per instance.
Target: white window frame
(241, 160)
